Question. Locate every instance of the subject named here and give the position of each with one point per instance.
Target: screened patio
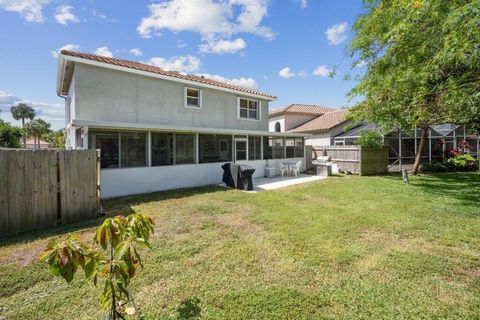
(403, 144)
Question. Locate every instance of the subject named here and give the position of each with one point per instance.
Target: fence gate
(44, 188)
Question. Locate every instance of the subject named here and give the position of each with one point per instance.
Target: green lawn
(342, 248)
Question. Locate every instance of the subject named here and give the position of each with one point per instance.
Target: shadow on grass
(112, 207)
(189, 309)
(123, 205)
(461, 186)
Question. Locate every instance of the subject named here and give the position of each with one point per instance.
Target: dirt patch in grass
(25, 253)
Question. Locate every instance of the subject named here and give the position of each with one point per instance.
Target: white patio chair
(284, 169)
(295, 169)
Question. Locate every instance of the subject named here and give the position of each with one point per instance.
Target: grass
(342, 248)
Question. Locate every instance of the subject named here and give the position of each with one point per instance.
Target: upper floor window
(248, 109)
(193, 98)
(278, 128)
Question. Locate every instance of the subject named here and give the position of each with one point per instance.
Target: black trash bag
(246, 174)
(238, 176)
(230, 175)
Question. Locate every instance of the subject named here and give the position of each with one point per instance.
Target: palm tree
(37, 128)
(21, 112)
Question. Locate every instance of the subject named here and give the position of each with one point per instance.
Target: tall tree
(423, 64)
(56, 139)
(22, 112)
(37, 128)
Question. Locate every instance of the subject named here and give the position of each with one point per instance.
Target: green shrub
(371, 140)
(433, 167)
(9, 135)
(462, 162)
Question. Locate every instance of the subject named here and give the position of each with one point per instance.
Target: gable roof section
(324, 122)
(301, 109)
(173, 75)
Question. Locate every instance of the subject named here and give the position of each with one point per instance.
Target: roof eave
(160, 76)
(169, 128)
(60, 73)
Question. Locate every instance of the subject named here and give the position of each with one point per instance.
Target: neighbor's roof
(303, 109)
(323, 122)
(357, 131)
(159, 71)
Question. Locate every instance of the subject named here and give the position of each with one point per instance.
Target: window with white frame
(248, 109)
(193, 98)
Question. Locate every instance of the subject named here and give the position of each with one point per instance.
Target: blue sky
(283, 47)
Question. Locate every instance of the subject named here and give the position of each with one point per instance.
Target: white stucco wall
(108, 95)
(322, 139)
(294, 120)
(325, 139)
(129, 181)
(70, 141)
(272, 121)
(288, 122)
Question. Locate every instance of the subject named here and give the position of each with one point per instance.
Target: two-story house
(160, 130)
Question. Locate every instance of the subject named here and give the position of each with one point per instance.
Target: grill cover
(238, 176)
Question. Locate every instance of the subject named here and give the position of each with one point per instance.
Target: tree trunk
(24, 136)
(418, 156)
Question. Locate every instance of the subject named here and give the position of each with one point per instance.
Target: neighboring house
(294, 115)
(330, 127)
(33, 143)
(159, 129)
(322, 123)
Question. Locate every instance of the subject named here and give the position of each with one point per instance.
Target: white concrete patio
(262, 184)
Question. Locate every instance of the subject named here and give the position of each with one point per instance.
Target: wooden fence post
(98, 181)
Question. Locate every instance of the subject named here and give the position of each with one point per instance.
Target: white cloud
(361, 64)
(136, 52)
(322, 71)
(99, 15)
(47, 111)
(242, 81)
(218, 21)
(303, 3)
(70, 47)
(223, 46)
(336, 34)
(64, 15)
(180, 64)
(30, 10)
(286, 73)
(103, 51)
(6, 101)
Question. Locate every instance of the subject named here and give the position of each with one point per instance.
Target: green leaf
(45, 255)
(90, 268)
(51, 244)
(121, 250)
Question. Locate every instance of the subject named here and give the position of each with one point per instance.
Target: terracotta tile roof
(304, 109)
(323, 122)
(157, 70)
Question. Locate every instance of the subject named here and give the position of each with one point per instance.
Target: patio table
(289, 165)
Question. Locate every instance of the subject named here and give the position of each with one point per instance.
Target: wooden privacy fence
(45, 188)
(355, 159)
